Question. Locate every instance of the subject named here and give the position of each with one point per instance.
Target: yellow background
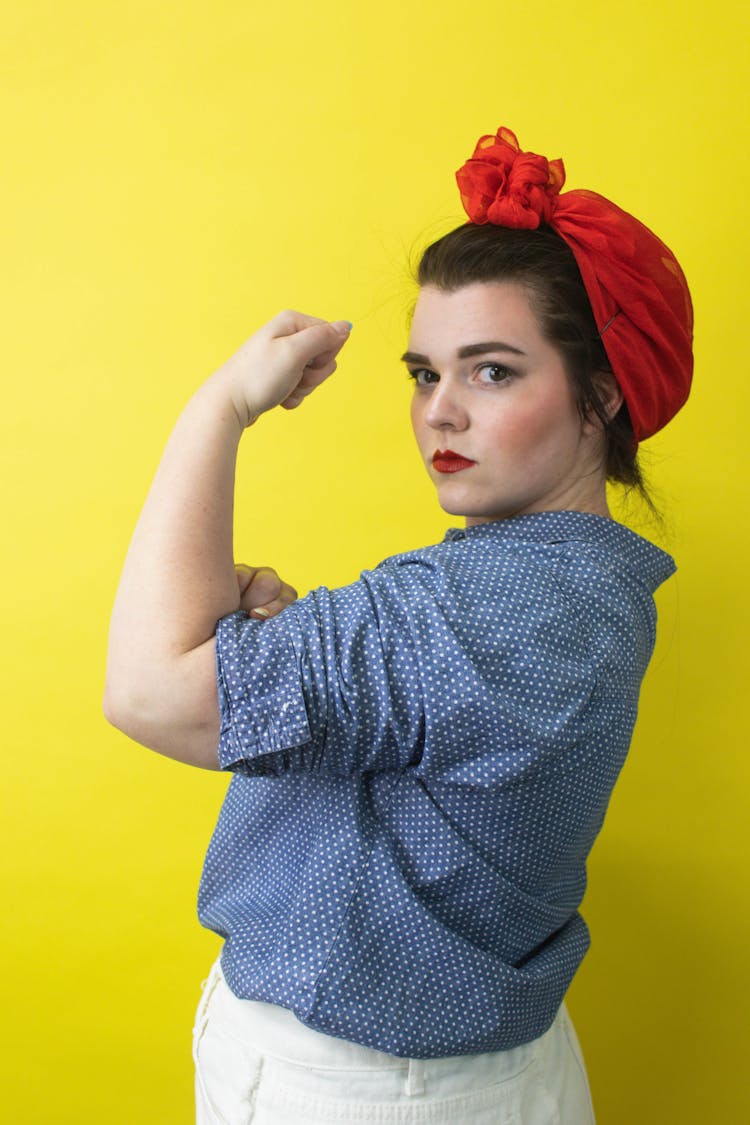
(172, 175)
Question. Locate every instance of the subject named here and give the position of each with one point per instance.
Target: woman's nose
(445, 407)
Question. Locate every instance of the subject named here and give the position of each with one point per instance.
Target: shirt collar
(579, 527)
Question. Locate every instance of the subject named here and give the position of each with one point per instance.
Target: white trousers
(256, 1064)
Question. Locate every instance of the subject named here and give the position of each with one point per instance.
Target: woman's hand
(262, 592)
(282, 363)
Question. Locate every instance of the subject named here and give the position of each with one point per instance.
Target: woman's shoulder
(576, 544)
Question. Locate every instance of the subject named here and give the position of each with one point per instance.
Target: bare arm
(179, 574)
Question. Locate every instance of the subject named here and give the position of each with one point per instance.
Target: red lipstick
(446, 461)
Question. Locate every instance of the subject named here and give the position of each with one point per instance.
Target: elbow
(134, 705)
(194, 744)
(112, 708)
(122, 711)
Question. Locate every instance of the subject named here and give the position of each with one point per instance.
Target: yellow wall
(174, 174)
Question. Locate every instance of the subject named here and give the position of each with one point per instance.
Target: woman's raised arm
(179, 574)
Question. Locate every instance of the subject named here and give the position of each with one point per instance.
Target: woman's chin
(466, 511)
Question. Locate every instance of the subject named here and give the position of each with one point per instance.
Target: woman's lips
(446, 461)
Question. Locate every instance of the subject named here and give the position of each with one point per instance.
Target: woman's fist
(282, 363)
(262, 592)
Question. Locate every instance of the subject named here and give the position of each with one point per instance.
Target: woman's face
(491, 391)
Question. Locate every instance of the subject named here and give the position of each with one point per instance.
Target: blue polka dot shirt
(421, 763)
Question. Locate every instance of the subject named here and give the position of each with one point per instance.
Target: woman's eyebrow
(490, 346)
(467, 351)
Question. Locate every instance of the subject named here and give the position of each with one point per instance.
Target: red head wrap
(637, 291)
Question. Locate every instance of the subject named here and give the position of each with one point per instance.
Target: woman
(422, 760)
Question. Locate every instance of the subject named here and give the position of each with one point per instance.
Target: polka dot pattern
(422, 761)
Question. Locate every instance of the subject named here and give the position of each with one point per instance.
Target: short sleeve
(329, 684)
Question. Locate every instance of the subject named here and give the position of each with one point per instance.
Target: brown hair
(541, 262)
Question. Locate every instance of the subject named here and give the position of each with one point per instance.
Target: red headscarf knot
(507, 187)
(637, 291)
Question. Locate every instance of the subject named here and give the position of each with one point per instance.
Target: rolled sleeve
(264, 723)
(329, 684)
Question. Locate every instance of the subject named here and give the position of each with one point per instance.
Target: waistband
(275, 1031)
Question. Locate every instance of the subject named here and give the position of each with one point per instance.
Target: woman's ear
(610, 396)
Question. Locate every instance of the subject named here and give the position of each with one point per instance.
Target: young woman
(422, 760)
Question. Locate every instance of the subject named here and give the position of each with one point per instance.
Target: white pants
(256, 1063)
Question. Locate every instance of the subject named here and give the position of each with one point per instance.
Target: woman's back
(449, 729)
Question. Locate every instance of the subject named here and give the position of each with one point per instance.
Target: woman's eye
(494, 373)
(422, 376)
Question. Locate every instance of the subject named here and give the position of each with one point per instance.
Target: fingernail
(343, 326)
(262, 612)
